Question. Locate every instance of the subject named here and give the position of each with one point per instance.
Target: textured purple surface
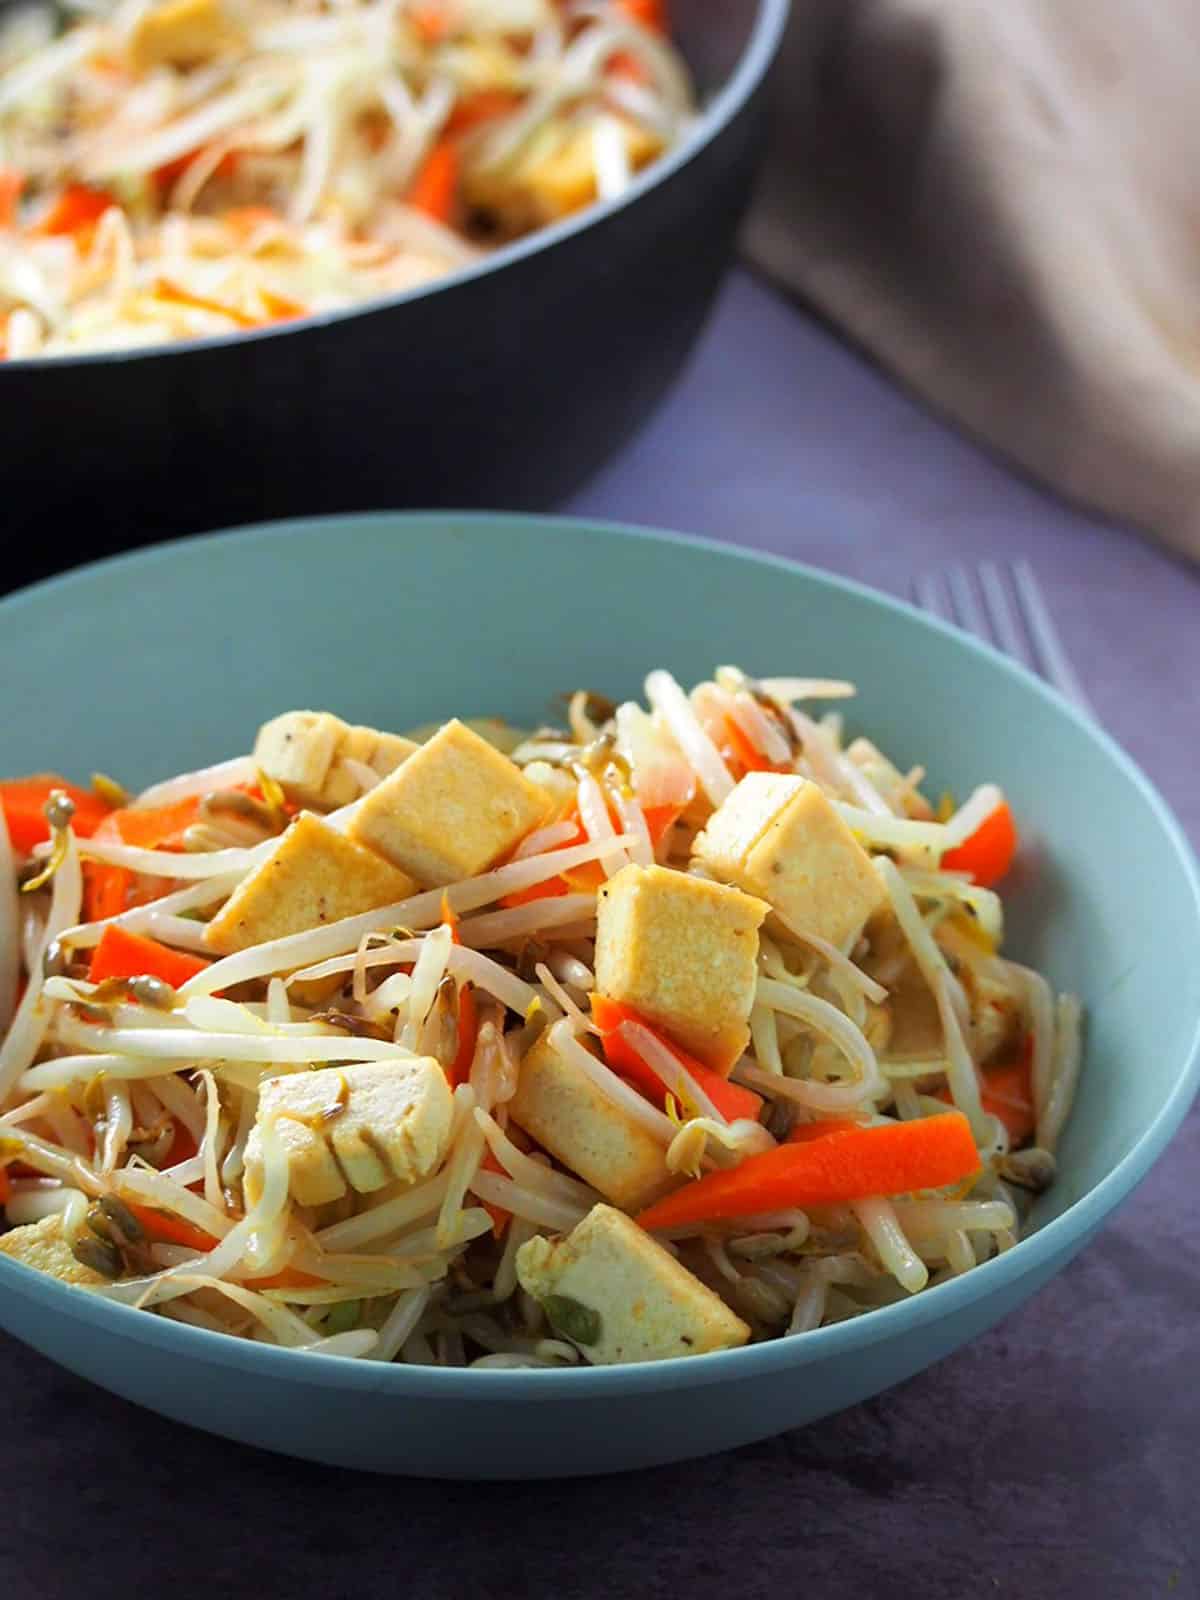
(1054, 1457)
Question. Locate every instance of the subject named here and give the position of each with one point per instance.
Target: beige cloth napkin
(1000, 199)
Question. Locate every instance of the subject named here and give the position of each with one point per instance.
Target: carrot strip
(169, 174)
(23, 800)
(647, 13)
(11, 184)
(500, 1217)
(156, 827)
(245, 219)
(730, 1099)
(76, 209)
(482, 106)
(183, 1146)
(1006, 1091)
(105, 890)
(804, 1132)
(988, 853)
(170, 1229)
(659, 819)
(121, 954)
(432, 21)
(289, 1278)
(436, 185)
(174, 294)
(896, 1158)
(279, 308)
(468, 1034)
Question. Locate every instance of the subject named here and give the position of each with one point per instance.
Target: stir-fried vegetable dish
(677, 1026)
(175, 169)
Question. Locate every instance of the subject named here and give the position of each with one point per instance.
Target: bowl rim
(1058, 1238)
(751, 68)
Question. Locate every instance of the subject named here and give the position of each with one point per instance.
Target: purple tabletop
(1056, 1456)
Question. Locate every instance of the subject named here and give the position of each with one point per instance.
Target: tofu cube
(313, 875)
(304, 751)
(614, 1291)
(495, 730)
(780, 837)
(358, 1127)
(41, 1245)
(553, 175)
(559, 1106)
(452, 810)
(179, 33)
(684, 953)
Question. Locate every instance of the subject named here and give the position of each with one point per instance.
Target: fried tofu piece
(616, 1293)
(552, 175)
(559, 1106)
(684, 953)
(304, 751)
(41, 1245)
(313, 875)
(179, 33)
(780, 837)
(358, 1127)
(495, 730)
(452, 810)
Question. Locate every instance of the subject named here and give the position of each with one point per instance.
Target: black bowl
(504, 384)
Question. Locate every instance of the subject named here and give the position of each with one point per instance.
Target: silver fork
(1003, 605)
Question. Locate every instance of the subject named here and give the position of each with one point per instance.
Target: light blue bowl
(170, 659)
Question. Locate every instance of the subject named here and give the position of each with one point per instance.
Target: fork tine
(1051, 657)
(968, 612)
(1004, 623)
(927, 593)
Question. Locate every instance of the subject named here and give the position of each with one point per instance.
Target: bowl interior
(170, 658)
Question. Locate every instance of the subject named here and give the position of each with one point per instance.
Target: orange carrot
(500, 1217)
(431, 20)
(289, 1278)
(744, 752)
(646, 13)
(183, 1146)
(245, 219)
(279, 308)
(896, 1158)
(803, 1132)
(169, 174)
(105, 890)
(436, 185)
(549, 888)
(11, 184)
(988, 853)
(590, 875)
(76, 209)
(468, 1033)
(121, 954)
(170, 1229)
(155, 827)
(175, 294)
(1006, 1091)
(730, 1099)
(659, 819)
(23, 800)
(482, 106)
(624, 64)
